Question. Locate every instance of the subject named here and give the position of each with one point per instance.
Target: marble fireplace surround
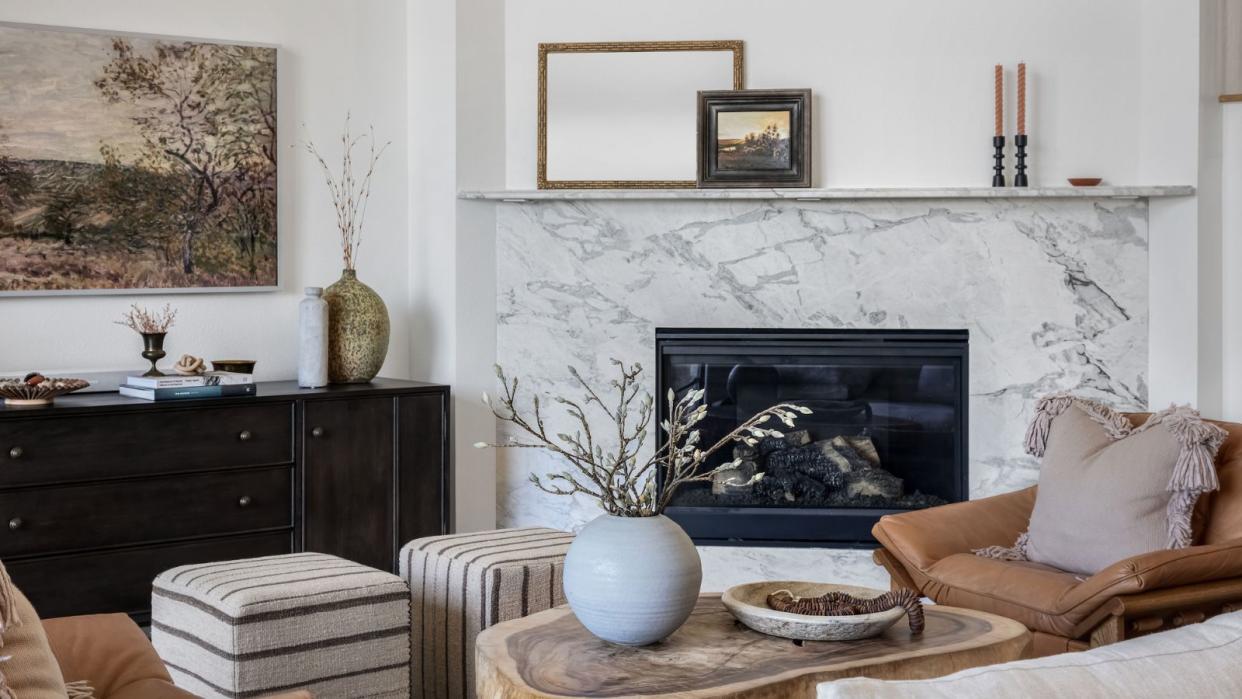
(1054, 292)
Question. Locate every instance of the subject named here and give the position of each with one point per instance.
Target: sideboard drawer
(120, 580)
(66, 449)
(75, 517)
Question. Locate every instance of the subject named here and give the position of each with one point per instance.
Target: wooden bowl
(1085, 181)
(749, 603)
(18, 393)
(237, 366)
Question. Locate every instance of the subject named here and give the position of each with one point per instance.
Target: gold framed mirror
(623, 114)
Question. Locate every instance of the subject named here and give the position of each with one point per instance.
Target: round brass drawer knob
(244, 435)
(243, 501)
(15, 523)
(16, 453)
(317, 432)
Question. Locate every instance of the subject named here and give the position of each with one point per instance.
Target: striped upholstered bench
(259, 626)
(461, 584)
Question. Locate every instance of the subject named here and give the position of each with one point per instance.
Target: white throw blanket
(1201, 660)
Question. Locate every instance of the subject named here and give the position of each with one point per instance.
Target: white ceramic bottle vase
(313, 339)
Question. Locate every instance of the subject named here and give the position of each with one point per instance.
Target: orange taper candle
(1022, 98)
(1000, 101)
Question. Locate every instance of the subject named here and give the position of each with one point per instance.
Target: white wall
(334, 55)
(903, 87)
(456, 133)
(1231, 260)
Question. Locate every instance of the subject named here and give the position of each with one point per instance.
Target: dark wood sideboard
(99, 493)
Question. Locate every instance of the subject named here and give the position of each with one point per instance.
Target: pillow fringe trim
(80, 689)
(1050, 407)
(1017, 552)
(1194, 472)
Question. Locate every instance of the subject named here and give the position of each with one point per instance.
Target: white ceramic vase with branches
(632, 576)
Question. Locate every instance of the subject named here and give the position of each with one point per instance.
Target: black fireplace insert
(886, 433)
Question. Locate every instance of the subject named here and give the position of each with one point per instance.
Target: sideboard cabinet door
(348, 453)
(424, 481)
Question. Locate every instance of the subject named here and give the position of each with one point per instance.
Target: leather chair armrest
(111, 653)
(151, 689)
(922, 537)
(1169, 568)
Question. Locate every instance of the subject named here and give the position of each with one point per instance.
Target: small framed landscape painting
(754, 138)
(134, 163)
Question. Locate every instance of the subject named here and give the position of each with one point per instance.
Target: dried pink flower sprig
(143, 321)
(350, 195)
(623, 482)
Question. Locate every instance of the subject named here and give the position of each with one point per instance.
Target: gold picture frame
(541, 165)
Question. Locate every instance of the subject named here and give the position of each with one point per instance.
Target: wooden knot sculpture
(189, 365)
(842, 604)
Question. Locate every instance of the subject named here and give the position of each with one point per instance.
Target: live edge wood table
(99, 492)
(550, 654)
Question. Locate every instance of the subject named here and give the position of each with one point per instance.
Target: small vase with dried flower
(153, 327)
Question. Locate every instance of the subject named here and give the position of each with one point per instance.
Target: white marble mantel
(1052, 285)
(1101, 192)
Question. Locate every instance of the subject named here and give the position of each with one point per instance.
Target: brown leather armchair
(930, 551)
(111, 654)
(114, 657)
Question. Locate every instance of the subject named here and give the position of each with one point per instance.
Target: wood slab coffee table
(550, 654)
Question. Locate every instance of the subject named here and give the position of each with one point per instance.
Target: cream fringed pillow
(1108, 490)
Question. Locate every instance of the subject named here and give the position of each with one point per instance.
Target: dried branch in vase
(350, 194)
(145, 322)
(609, 468)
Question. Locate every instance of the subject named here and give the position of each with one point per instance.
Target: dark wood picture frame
(713, 103)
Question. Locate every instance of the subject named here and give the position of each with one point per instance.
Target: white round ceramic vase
(632, 580)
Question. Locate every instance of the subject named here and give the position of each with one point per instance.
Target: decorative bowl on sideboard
(748, 602)
(236, 366)
(1085, 181)
(21, 393)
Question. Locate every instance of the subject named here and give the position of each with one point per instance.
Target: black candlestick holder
(1019, 179)
(998, 179)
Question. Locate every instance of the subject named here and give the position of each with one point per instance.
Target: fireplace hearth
(887, 432)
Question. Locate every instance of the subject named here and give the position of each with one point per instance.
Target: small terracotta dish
(749, 603)
(237, 366)
(1085, 181)
(19, 393)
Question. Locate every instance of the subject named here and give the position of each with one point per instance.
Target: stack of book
(213, 384)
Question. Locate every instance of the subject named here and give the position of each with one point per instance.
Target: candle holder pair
(998, 156)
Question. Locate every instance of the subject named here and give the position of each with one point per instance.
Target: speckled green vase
(357, 330)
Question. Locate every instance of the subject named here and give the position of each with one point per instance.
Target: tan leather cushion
(111, 653)
(1049, 600)
(31, 670)
(1224, 507)
(1101, 499)
(1031, 593)
(919, 538)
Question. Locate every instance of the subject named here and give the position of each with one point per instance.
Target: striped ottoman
(463, 583)
(258, 626)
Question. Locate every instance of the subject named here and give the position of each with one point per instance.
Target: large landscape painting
(135, 163)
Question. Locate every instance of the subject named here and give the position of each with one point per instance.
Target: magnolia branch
(614, 476)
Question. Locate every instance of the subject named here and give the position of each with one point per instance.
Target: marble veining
(1053, 292)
